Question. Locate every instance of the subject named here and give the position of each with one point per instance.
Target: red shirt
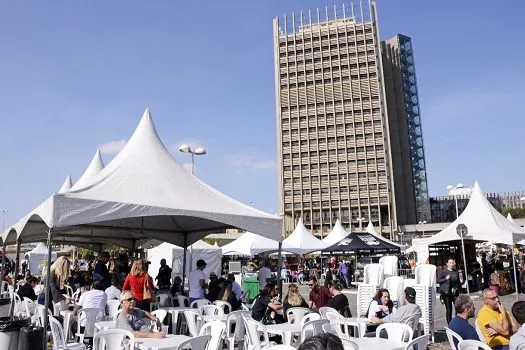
(320, 296)
(136, 285)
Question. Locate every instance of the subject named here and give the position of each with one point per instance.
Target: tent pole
(3, 259)
(184, 260)
(279, 268)
(17, 267)
(48, 280)
(515, 275)
(465, 263)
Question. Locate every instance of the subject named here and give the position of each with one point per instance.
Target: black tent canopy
(360, 243)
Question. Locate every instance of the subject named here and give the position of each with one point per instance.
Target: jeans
(501, 347)
(449, 306)
(347, 280)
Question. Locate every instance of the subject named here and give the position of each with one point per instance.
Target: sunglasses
(129, 300)
(311, 284)
(493, 298)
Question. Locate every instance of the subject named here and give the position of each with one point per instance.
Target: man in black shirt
(338, 301)
(164, 276)
(27, 290)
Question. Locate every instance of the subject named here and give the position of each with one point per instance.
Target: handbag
(148, 293)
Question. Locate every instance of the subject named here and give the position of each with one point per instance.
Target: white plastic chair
(453, 338)
(160, 314)
(341, 325)
(222, 305)
(235, 318)
(76, 296)
(390, 265)
(183, 301)
(398, 332)
(365, 294)
(41, 314)
(196, 343)
(214, 329)
(113, 309)
(312, 328)
(480, 334)
(254, 330)
(162, 300)
(31, 308)
(114, 339)
(194, 321)
(421, 342)
(472, 345)
(296, 314)
(69, 290)
(394, 284)
(209, 310)
(280, 347)
(329, 328)
(323, 310)
(312, 316)
(88, 316)
(19, 309)
(373, 274)
(348, 344)
(200, 302)
(59, 339)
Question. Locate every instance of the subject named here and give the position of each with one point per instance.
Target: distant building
(513, 199)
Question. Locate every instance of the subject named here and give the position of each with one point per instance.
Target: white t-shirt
(264, 273)
(93, 299)
(113, 293)
(196, 291)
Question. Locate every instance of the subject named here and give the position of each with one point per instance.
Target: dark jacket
(26, 291)
(450, 286)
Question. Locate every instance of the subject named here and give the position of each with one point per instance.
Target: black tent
(360, 243)
(378, 245)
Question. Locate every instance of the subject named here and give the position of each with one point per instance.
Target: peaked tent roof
(91, 171)
(250, 244)
(336, 235)
(40, 248)
(302, 241)
(372, 231)
(66, 186)
(144, 192)
(484, 223)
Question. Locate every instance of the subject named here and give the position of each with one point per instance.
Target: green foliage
(517, 213)
(85, 254)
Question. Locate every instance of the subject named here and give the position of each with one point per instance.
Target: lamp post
(4, 211)
(450, 187)
(361, 223)
(401, 237)
(199, 151)
(423, 224)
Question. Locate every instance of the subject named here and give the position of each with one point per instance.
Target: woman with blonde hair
(59, 276)
(293, 299)
(137, 281)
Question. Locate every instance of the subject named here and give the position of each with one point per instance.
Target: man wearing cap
(409, 313)
(197, 282)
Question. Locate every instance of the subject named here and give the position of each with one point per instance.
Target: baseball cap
(201, 262)
(410, 292)
(213, 275)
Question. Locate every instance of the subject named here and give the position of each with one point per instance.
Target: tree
(516, 213)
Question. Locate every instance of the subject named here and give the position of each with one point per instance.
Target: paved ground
(439, 311)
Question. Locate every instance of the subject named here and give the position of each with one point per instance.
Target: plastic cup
(165, 329)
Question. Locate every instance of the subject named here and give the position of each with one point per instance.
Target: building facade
(513, 200)
(337, 152)
(444, 207)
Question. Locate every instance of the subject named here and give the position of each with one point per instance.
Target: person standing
(101, 273)
(137, 281)
(123, 268)
(164, 276)
(449, 286)
(197, 282)
(464, 311)
(343, 268)
(264, 275)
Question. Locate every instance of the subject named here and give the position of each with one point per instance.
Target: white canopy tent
(372, 231)
(483, 221)
(302, 241)
(511, 219)
(250, 244)
(337, 234)
(174, 258)
(37, 259)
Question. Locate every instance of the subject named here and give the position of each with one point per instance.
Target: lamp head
(460, 186)
(185, 148)
(199, 151)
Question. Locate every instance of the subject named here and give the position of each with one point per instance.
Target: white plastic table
(378, 343)
(363, 322)
(103, 325)
(169, 343)
(211, 318)
(286, 330)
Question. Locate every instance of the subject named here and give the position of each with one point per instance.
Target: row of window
(303, 131)
(344, 202)
(327, 58)
(342, 151)
(324, 165)
(333, 35)
(328, 104)
(330, 80)
(335, 190)
(329, 69)
(333, 177)
(341, 45)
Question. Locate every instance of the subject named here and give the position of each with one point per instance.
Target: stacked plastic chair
(390, 265)
(394, 284)
(365, 294)
(373, 274)
(426, 295)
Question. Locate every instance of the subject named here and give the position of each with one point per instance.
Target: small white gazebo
(250, 244)
(337, 234)
(302, 241)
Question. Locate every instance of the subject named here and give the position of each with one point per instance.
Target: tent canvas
(351, 244)
(301, 241)
(337, 234)
(142, 193)
(250, 244)
(37, 259)
(174, 254)
(372, 231)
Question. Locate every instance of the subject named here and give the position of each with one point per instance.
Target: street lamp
(4, 211)
(361, 223)
(199, 151)
(423, 223)
(450, 187)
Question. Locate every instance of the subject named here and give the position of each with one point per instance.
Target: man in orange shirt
(495, 322)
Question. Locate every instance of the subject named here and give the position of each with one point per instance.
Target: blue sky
(75, 75)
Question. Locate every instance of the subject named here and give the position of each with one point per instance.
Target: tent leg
(184, 260)
(515, 275)
(279, 268)
(17, 267)
(465, 263)
(3, 259)
(48, 280)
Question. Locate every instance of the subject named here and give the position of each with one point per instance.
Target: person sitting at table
(27, 290)
(236, 287)
(324, 341)
(94, 298)
(381, 306)
(228, 295)
(338, 301)
(292, 299)
(176, 288)
(132, 318)
(263, 309)
(319, 295)
(409, 313)
(465, 310)
(113, 291)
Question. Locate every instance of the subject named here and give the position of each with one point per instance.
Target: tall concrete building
(348, 147)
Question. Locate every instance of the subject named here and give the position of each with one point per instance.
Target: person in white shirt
(264, 274)
(236, 287)
(197, 282)
(95, 298)
(518, 339)
(113, 292)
